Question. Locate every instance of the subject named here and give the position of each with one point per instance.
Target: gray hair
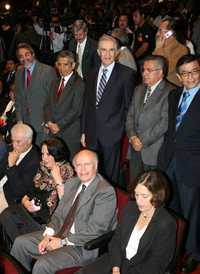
(25, 129)
(66, 54)
(79, 25)
(106, 37)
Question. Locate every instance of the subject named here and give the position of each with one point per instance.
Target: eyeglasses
(150, 70)
(186, 74)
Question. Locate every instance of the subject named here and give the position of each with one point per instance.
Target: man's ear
(179, 77)
(98, 51)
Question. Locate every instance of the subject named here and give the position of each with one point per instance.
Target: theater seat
(102, 241)
(9, 265)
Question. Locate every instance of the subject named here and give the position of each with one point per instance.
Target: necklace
(148, 216)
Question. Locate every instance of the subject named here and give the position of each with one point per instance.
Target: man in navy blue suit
(180, 153)
(108, 92)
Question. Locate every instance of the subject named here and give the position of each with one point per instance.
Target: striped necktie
(147, 94)
(182, 108)
(60, 88)
(101, 87)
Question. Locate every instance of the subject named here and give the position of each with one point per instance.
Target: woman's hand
(28, 204)
(55, 172)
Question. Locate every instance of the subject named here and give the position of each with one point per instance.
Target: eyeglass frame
(186, 74)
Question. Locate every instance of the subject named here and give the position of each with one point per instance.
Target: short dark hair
(161, 60)
(185, 59)
(57, 148)
(66, 54)
(157, 183)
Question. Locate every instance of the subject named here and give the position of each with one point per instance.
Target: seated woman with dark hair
(145, 239)
(48, 188)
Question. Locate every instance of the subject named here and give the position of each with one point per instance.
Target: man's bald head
(85, 163)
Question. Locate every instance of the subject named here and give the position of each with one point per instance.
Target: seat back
(9, 265)
(122, 199)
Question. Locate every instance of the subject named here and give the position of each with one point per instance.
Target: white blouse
(134, 240)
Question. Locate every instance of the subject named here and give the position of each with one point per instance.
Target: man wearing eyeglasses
(180, 154)
(148, 116)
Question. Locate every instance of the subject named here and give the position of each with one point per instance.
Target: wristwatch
(63, 242)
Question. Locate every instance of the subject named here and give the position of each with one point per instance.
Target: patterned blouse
(45, 189)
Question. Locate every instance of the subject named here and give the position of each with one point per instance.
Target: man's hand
(160, 41)
(83, 142)
(136, 143)
(53, 127)
(54, 243)
(13, 157)
(115, 270)
(42, 246)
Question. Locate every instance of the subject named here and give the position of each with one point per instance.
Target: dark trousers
(186, 201)
(109, 157)
(136, 165)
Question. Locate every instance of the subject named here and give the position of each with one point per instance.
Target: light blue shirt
(32, 66)
(192, 92)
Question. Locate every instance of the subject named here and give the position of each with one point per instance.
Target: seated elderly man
(86, 211)
(20, 167)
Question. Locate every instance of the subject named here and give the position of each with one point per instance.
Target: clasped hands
(136, 143)
(49, 243)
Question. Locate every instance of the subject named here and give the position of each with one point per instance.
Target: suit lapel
(189, 110)
(66, 89)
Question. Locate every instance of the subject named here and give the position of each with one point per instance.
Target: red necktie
(60, 88)
(28, 77)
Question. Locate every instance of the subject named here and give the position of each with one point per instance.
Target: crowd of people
(76, 83)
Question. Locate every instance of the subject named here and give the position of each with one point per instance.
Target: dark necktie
(28, 77)
(147, 94)
(70, 216)
(60, 88)
(101, 87)
(182, 108)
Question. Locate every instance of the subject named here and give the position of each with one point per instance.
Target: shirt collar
(109, 67)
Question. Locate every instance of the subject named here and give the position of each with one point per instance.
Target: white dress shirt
(108, 73)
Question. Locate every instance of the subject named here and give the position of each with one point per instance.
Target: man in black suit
(84, 48)
(180, 153)
(22, 164)
(109, 89)
(64, 104)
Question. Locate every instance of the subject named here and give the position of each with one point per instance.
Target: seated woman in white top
(145, 239)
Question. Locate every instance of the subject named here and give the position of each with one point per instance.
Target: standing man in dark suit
(20, 168)
(180, 153)
(33, 82)
(108, 93)
(147, 118)
(84, 48)
(64, 104)
(61, 244)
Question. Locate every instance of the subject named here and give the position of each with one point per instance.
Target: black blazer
(90, 57)
(20, 177)
(183, 144)
(156, 247)
(107, 123)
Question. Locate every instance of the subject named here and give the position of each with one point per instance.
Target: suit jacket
(20, 177)
(108, 120)
(156, 247)
(149, 121)
(30, 101)
(96, 212)
(66, 110)
(90, 58)
(183, 144)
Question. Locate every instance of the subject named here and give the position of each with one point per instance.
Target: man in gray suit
(32, 82)
(64, 105)
(95, 214)
(147, 118)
